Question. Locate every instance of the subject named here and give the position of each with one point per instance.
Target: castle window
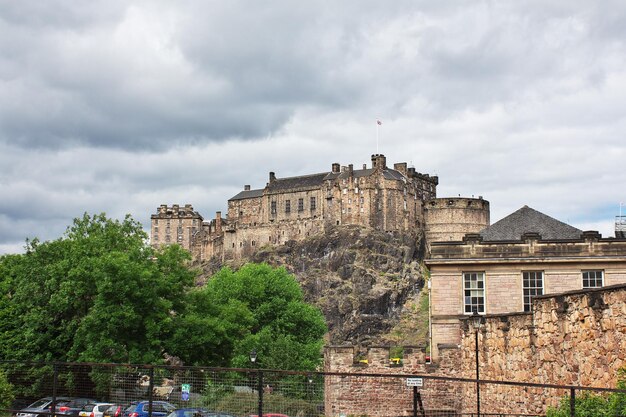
(301, 204)
(345, 190)
(405, 204)
(533, 286)
(349, 201)
(356, 190)
(313, 203)
(156, 229)
(287, 206)
(592, 279)
(167, 238)
(362, 210)
(362, 201)
(253, 243)
(474, 292)
(240, 213)
(156, 238)
(273, 207)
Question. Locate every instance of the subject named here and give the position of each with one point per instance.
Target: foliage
(245, 404)
(6, 392)
(257, 307)
(97, 294)
(594, 405)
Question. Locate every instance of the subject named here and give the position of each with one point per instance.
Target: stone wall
(379, 388)
(574, 338)
(449, 219)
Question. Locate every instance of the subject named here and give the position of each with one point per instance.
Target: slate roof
(528, 220)
(247, 194)
(312, 181)
(290, 183)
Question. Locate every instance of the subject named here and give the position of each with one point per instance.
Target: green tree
(99, 293)
(257, 307)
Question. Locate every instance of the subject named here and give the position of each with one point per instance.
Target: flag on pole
(379, 122)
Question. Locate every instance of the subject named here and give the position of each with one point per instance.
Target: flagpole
(377, 140)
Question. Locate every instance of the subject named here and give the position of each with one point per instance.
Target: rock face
(359, 278)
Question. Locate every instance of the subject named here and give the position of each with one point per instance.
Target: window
(593, 279)
(273, 207)
(533, 285)
(313, 203)
(287, 206)
(474, 292)
(301, 204)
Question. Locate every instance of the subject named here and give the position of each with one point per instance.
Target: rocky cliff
(367, 283)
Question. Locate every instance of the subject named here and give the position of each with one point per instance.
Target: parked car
(271, 415)
(114, 410)
(197, 412)
(73, 407)
(94, 409)
(43, 405)
(140, 409)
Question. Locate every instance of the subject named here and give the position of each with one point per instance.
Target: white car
(94, 409)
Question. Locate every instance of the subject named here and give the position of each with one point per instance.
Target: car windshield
(40, 403)
(88, 407)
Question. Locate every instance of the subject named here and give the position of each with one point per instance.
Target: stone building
(378, 197)
(501, 269)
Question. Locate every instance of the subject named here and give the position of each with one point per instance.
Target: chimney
(272, 177)
(400, 167)
(350, 169)
(336, 168)
(218, 222)
(412, 172)
(364, 166)
(379, 161)
(246, 187)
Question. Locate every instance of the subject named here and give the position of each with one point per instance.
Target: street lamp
(253, 357)
(477, 322)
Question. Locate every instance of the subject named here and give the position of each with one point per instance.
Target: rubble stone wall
(573, 338)
(379, 388)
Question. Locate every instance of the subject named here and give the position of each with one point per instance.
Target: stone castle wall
(293, 208)
(371, 390)
(574, 338)
(449, 219)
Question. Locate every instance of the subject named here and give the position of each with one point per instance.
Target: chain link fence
(155, 391)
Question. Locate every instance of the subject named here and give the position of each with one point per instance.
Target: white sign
(414, 382)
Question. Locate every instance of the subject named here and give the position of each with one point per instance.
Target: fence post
(55, 382)
(150, 390)
(260, 389)
(572, 402)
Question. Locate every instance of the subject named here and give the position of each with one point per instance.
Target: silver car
(40, 407)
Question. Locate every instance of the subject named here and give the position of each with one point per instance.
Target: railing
(272, 393)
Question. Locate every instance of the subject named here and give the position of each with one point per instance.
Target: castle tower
(449, 219)
(175, 224)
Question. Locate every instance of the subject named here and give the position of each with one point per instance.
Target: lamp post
(253, 358)
(477, 322)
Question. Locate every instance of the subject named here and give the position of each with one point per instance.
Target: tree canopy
(100, 293)
(256, 307)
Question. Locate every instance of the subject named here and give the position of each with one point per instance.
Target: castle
(293, 208)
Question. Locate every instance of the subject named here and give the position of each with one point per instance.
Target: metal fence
(254, 392)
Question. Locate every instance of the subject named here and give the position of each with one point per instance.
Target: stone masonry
(572, 338)
(291, 209)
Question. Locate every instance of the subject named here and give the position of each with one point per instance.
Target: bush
(6, 392)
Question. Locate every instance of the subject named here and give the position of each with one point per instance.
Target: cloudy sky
(120, 106)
